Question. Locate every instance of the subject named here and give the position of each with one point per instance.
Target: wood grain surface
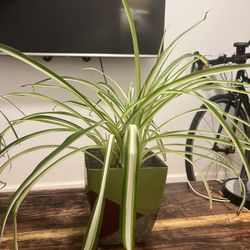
(54, 220)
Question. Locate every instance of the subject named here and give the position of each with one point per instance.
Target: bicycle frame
(239, 58)
(239, 101)
(243, 98)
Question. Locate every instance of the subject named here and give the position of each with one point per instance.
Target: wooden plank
(49, 220)
(58, 219)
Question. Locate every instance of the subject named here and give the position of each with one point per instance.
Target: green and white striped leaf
(128, 206)
(135, 46)
(38, 171)
(96, 217)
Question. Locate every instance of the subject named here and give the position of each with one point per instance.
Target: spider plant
(125, 132)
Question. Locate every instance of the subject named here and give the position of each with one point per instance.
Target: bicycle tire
(192, 174)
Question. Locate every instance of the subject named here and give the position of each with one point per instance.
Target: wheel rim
(205, 168)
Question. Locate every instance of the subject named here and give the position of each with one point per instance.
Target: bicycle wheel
(204, 121)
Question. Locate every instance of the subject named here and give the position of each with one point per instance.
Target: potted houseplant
(124, 138)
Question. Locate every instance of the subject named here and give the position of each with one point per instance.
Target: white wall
(226, 23)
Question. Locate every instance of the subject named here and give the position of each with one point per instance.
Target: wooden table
(57, 220)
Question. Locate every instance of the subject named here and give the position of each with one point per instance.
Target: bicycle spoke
(211, 128)
(201, 157)
(206, 122)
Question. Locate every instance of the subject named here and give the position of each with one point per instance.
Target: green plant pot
(151, 182)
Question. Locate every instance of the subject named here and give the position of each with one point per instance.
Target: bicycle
(237, 104)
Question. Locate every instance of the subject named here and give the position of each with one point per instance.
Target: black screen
(80, 26)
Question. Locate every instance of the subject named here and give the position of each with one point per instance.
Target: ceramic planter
(151, 182)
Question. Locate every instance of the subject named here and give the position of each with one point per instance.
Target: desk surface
(57, 220)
